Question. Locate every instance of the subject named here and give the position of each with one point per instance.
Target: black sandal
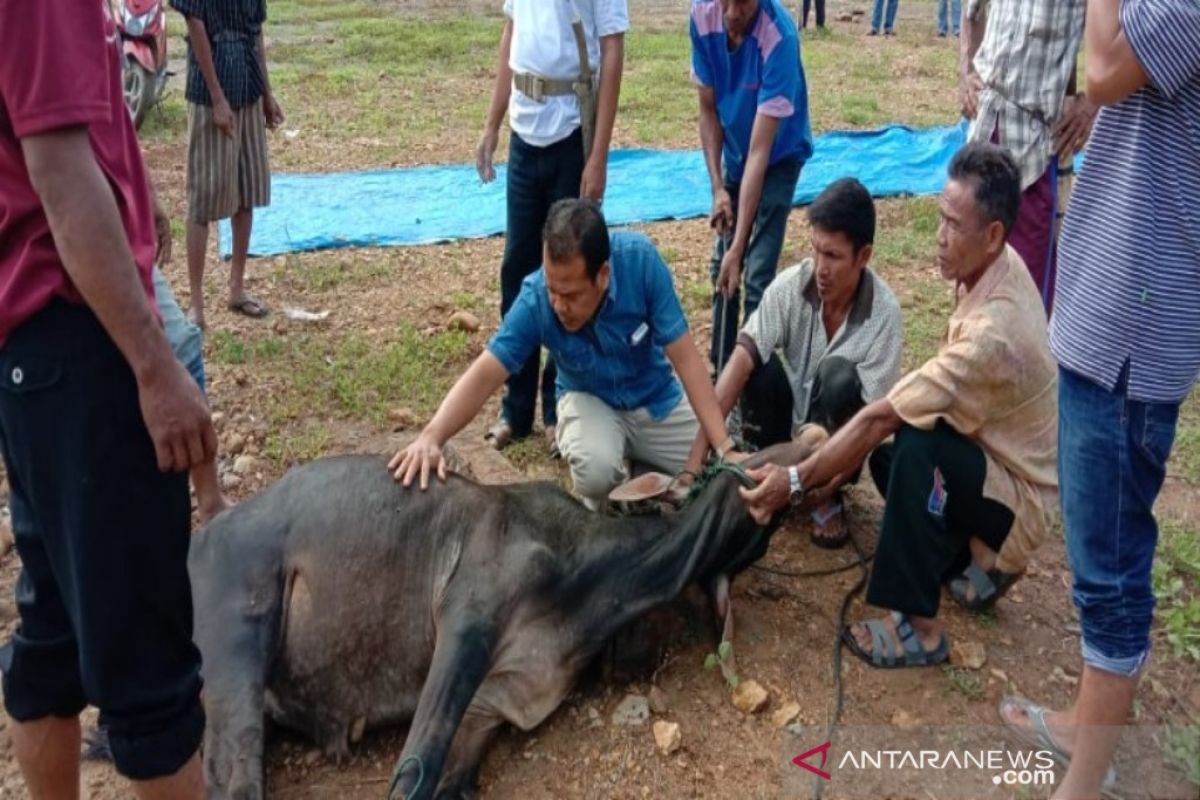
(989, 586)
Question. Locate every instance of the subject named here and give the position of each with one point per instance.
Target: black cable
(815, 573)
(818, 784)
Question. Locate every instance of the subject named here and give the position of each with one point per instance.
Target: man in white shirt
(559, 148)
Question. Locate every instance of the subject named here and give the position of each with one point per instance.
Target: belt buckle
(538, 86)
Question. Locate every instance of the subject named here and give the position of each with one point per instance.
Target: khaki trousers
(595, 439)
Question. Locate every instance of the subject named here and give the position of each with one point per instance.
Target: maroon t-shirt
(60, 67)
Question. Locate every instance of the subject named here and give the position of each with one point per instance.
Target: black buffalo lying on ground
(337, 602)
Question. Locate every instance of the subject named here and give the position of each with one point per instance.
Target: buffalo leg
(461, 773)
(461, 659)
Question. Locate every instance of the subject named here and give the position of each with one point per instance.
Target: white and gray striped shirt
(789, 320)
(1129, 270)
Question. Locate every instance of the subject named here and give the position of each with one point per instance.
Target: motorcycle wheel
(138, 85)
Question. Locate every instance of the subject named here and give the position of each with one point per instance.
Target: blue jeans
(762, 252)
(187, 342)
(537, 177)
(1112, 459)
(955, 11)
(877, 15)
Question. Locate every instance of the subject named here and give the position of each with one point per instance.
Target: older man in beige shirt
(970, 480)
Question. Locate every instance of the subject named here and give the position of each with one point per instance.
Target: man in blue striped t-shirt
(1125, 335)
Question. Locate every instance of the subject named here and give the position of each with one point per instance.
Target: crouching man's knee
(595, 470)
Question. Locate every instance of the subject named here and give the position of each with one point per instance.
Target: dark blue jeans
(537, 177)
(1112, 459)
(877, 16)
(762, 253)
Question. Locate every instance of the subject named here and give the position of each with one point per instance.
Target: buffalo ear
(806, 442)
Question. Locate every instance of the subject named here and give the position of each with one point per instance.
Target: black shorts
(104, 600)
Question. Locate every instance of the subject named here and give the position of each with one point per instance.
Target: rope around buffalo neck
(715, 468)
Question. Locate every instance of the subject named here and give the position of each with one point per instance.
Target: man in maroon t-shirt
(98, 421)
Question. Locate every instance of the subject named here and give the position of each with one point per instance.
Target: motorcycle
(142, 25)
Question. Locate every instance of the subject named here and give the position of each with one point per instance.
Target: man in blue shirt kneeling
(605, 307)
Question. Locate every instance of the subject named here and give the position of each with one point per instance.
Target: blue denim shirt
(617, 356)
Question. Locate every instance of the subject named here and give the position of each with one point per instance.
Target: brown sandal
(500, 434)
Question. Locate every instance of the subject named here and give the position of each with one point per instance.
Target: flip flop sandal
(250, 307)
(821, 519)
(884, 652)
(1038, 733)
(552, 442)
(989, 586)
(500, 435)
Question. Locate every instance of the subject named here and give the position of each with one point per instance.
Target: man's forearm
(503, 88)
(730, 384)
(465, 399)
(1113, 70)
(92, 244)
(694, 376)
(261, 49)
(711, 140)
(851, 445)
(971, 39)
(749, 194)
(202, 49)
(612, 65)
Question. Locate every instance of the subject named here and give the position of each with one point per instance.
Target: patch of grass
(1181, 746)
(228, 348)
(1185, 456)
(861, 110)
(287, 449)
(167, 121)
(965, 682)
(363, 378)
(696, 295)
(1175, 577)
(465, 300)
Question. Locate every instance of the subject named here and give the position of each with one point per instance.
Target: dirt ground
(786, 625)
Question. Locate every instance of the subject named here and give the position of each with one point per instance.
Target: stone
(658, 700)
(749, 697)
(845, 16)
(229, 481)
(999, 674)
(402, 418)
(6, 535)
(904, 720)
(633, 710)
(244, 465)
(312, 757)
(463, 321)
(968, 654)
(235, 444)
(785, 714)
(667, 737)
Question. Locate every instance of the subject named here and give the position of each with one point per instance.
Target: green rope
(715, 468)
(400, 768)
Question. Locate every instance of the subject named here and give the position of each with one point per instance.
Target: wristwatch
(795, 487)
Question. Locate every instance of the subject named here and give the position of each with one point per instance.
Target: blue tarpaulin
(420, 205)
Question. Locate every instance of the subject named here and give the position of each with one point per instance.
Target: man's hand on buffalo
(421, 456)
(770, 495)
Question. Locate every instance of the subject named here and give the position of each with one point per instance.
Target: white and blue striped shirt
(1129, 264)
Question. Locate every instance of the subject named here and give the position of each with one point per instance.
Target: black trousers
(537, 177)
(820, 4)
(767, 400)
(932, 482)
(103, 597)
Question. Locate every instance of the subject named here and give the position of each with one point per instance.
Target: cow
(337, 602)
